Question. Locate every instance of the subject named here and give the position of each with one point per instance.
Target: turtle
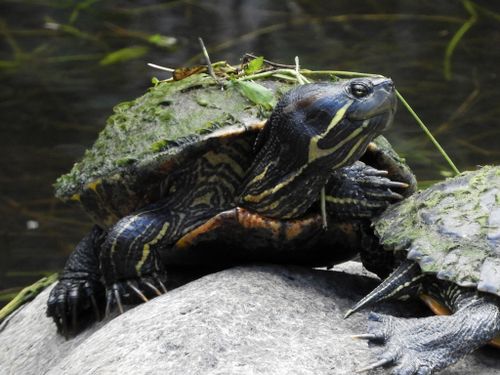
(187, 152)
(354, 195)
(445, 248)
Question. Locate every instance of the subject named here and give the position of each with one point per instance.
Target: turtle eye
(359, 90)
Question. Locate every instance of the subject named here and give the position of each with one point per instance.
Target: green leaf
(256, 93)
(446, 173)
(124, 54)
(155, 81)
(162, 41)
(7, 64)
(254, 65)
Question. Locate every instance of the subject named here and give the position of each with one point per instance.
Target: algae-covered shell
(150, 136)
(451, 229)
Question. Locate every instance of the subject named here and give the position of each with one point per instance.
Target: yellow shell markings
(75, 197)
(315, 152)
(93, 185)
(202, 200)
(215, 159)
(111, 215)
(136, 122)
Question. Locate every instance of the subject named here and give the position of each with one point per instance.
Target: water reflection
(57, 87)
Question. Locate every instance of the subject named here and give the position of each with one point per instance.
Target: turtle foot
(134, 291)
(415, 346)
(75, 303)
(361, 191)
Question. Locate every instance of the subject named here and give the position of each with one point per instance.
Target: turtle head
(313, 130)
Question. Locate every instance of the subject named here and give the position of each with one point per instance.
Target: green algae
(446, 227)
(170, 114)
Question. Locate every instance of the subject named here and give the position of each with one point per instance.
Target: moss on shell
(169, 114)
(450, 228)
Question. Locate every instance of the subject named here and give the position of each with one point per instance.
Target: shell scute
(170, 125)
(490, 276)
(452, 229)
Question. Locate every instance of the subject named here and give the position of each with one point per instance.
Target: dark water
(55, 92)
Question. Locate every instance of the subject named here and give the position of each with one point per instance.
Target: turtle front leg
(130, 262)
(360, 191)
(426, 345)
(78, 298)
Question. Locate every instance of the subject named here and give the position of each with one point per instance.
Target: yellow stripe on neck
(261, 176)
(147, 247)
(314, 151)
(351, 152)
(265, 193)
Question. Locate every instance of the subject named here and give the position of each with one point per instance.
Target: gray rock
(245, 320)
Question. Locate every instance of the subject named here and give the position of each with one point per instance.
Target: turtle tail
(402, 282)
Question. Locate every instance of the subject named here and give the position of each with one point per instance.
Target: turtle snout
(383, 83)
(388, 85)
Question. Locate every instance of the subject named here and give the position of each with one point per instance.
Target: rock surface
(245, 320)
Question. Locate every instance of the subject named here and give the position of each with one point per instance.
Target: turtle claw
(118, 299)
(361, 191)
(74, 303)
(397, 185)
(62, 325)
(423, 371)
(109, 303)
(95, 308)
(411, 369)
(113, 297)
(396, 196)
(133, 292)
(158, 280)
(160, 289)
(153, 288)
(137, 291)
(364, 336)
(379, 363)
(73, 307)
(370, 171)
(420, 346)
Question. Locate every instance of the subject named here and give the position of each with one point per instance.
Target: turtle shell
(451, 229)
(147, 138)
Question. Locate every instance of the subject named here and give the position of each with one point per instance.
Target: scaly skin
(314, 129)
(445, 240)
(79, 298)
(426, 345)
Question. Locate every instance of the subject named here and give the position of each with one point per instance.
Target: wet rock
(245, 320)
